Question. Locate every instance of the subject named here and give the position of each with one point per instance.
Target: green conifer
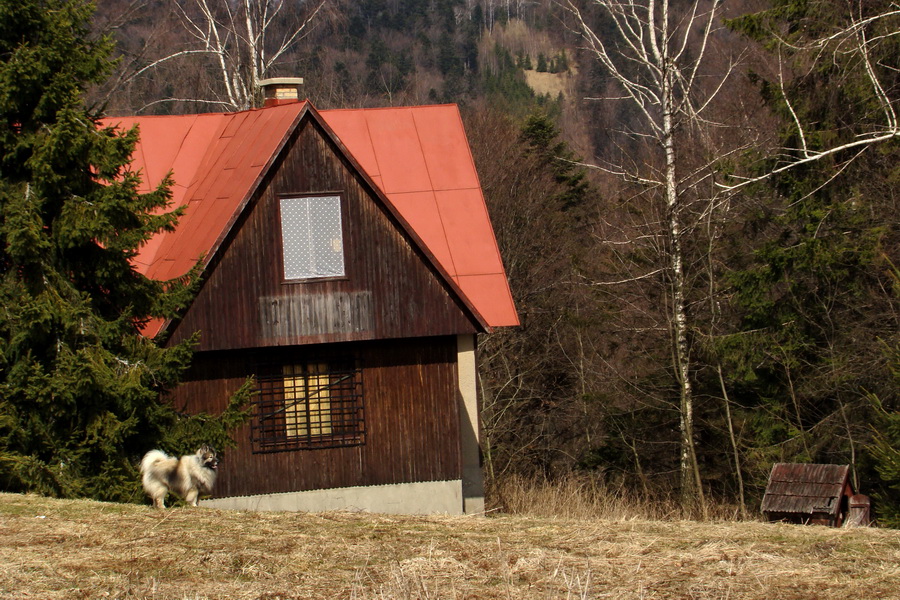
(79, 386)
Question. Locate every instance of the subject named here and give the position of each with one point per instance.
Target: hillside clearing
(552, 84)
(83, 549)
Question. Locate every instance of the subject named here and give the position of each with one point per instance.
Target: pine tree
(543, 138)
(79, 385)
(814, 297)
(535, 415)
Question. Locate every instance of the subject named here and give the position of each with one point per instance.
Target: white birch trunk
(655, 57)
(656, 43)
(691, 489)
(236, 36)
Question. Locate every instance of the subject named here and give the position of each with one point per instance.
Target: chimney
(280, 90)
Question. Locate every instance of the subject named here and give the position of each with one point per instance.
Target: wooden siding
(389, 290)
(320, 314)
(411, 418)
(807, 493)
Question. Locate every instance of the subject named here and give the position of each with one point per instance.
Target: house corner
(470, 449)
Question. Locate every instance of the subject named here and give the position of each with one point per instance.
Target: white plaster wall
(469, 423)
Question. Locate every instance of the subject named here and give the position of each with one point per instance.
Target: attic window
(312, 238)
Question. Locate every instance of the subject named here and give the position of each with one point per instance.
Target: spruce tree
(814, 297)
(79, 385)
(543, 139)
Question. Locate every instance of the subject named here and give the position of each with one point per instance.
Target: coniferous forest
(696, 203)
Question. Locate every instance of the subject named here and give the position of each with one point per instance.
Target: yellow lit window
(308, 405)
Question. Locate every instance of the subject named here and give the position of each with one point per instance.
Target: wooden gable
(416, 160)
(392, 288)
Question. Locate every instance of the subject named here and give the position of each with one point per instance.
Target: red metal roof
(418, 157)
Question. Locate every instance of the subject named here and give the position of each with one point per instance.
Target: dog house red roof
(418, 158)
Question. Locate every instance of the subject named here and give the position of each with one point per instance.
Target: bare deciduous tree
(655, 60)
(851, 44)
(656, 53)
(245, 40)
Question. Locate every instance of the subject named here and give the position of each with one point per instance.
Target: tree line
(741, 240)
(701, 239)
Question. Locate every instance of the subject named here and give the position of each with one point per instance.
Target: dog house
(812, 494)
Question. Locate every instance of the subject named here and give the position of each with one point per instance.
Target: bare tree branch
(855, 35)
(237, 36)
(656, 59)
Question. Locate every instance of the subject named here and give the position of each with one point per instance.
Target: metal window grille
(312, 237)
(308, 405)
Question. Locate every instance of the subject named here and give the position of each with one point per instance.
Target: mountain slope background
(791, 287)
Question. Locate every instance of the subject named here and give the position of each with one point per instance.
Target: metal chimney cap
(280, 81)
(280, 90)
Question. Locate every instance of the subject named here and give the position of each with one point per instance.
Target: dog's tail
(151, 458)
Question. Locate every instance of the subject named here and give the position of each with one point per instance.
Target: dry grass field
(82, 549)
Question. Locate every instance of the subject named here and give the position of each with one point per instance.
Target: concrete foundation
(423, 498)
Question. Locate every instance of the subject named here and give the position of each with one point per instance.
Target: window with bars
(308, 405)
(312, 237)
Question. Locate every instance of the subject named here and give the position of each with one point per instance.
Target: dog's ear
(206, 449)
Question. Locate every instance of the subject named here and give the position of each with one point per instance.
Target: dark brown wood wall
(411, 416)
(389, 290)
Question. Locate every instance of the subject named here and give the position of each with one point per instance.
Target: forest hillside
(697, 210)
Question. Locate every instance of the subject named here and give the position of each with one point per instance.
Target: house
(809, 494)
(348, 265)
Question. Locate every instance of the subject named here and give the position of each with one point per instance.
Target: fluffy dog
(188, 476)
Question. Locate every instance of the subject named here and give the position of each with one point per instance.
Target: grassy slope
(77, 549)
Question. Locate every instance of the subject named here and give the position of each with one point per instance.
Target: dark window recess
(308, 405)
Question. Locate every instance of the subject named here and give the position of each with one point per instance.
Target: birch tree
(656, 55)
(244, 41)
(814, 293)
(851, 39)
(655, 60)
